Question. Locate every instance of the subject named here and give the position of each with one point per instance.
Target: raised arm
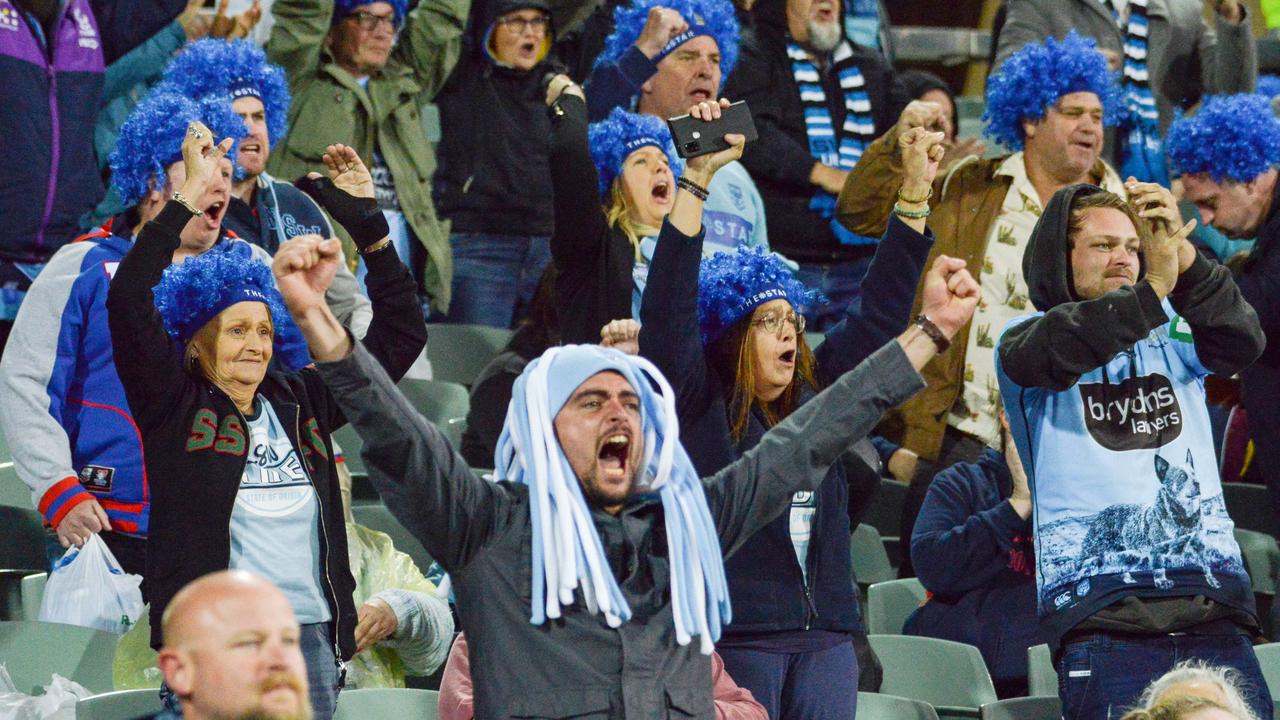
(613, 83)
(298, 37)
(431, 42)
(1228, 53)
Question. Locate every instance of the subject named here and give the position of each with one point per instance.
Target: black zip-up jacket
(766, 584)
(196, 438)
(1260, 285)
(577, 666)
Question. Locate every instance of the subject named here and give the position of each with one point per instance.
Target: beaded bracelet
(694, 188)
(911, 214)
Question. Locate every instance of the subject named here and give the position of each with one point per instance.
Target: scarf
(1141, 149)
(839, 149)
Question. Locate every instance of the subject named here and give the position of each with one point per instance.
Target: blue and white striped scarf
(1141, 149)
(839, 149)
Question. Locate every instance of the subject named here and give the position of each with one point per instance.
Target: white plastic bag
(57, 703)
(87, 587)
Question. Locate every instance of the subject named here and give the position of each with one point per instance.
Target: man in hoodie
(1227, 153)
(494, 184)
(818, 101)
(1137, 567)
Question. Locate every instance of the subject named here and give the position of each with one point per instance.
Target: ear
(1029, 128)
(155, 190)
(1191, 461)
(178, 671)
(647, 87)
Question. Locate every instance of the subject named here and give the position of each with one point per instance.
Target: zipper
(324, 534)
(812, 613)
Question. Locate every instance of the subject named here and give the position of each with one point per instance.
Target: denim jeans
(820, 685)
(841, 282)
(495, 276)
(1102, 675)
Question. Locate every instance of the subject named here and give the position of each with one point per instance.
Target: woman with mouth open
(729, 333)
(614, 183)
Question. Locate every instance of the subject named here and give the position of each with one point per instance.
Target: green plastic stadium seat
(950, 676)
(874, 706)
(1024, 708)
(373, 704)
(870, 561)
(459, 352)
(889, 604)
(1042, 678)
(120, 705)
(34, 651)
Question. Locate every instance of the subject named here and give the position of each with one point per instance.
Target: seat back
(376, 516)
(1023, 708)
(1042, 678)
(120, 705)
(1269, 659)
(885, 512)
(12, 490)
(889, 604)
(388, 703)
(1261, 555)
(870, 561)
(24, 540)
(1250, 507)
(34, 651)
(939, 672)
(459, 352)
(875, 706)
(32, 594)
(444, 403)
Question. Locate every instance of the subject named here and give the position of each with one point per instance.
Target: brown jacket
(965, 202)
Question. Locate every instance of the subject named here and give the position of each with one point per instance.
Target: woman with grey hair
(1197, 678)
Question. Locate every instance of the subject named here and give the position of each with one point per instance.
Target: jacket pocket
(561, 704)
(685, 701)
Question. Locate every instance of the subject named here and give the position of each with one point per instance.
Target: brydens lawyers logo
(8, 16)
(1138, 413)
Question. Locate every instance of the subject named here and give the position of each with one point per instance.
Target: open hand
(1169, 252)
(949, 295)
(375, 622)
(304, 267)
(201, 159)
(702, 168)
(348, 171)
(234, 28)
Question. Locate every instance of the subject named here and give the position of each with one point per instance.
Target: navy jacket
(766, 586)
(974, 555)
(1260, 285)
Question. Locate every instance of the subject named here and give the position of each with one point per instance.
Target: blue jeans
(322, 674)
(493, 275)
(820, 685)
(842, 284)
(1102, 675)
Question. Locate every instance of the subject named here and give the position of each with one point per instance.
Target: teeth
(617, 440)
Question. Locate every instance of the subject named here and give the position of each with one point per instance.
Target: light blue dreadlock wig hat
(567, 554)
(234, 68)
(343, 8)
(731, 285)
(151, 139)
(611, 140)
(1231, 137)
(194, 291)
(1031, 80)
(713, 18)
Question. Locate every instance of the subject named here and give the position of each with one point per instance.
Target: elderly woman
(239, 459)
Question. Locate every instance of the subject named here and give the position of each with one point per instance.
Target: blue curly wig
(151, 139)
(232, 67)
(1231, 137)
(343, 8)
(194, 291)
(733, 284)
(1035, 77)
(611, 140)
(714, 18)
(1268, 86)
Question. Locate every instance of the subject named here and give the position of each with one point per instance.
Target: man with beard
(818, 101)
(231, 651)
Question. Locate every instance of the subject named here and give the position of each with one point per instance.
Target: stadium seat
(950, 676)
(1042, 678)
(32, 595)
(120, 705)
(34, 651)
(376, 516)
(870, 561)
(388, 703)
(24, 540)
(814, 339)
(444, 403)
(12, 490)
(1261, 556)
(874, 706)
(1023, 708)
(889, 604)
(1249, 506)
(459, 352)
(1269, 659)
(885, 513)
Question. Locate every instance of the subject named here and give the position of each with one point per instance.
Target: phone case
(694, 137)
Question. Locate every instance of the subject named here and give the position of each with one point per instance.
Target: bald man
(231, 651)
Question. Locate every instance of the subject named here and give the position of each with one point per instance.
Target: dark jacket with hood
(494, 137)
(780, 161)
(770, 593)
(196, 437)
(1106, 403)
(1260, 284)
(973, 553)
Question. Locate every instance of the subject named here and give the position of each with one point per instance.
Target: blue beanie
(1231, 137)
(613, 139)
(151, 139)
(713, 18)
(1034, 78)
(343, 8)
(194, 291)
(731, 285)
(235, 68)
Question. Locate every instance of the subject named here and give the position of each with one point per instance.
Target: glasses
(517, 25)
(369, 21)
(775, 323)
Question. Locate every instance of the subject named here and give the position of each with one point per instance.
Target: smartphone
(694, 137)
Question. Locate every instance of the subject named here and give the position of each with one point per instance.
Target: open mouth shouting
(787, 358)
(213, 214)
(661, 191)
(614, 456)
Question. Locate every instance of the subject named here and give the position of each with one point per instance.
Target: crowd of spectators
(230, 227)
